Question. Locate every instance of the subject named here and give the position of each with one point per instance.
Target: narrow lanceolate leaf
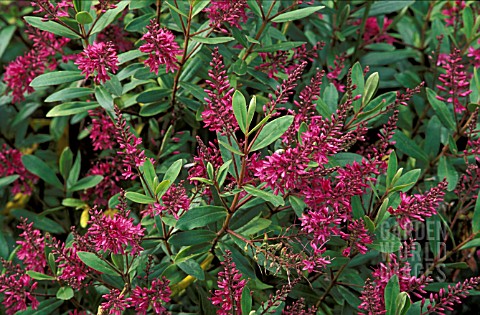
(139, 198)
(408, 146)
(51, 26)
(212, 40)
(36, 166)
(441, 110)
(104, 98)
(71, 108)
(56, 77)
(7, 180)
(392, 168)
(240, 110)
(94, 262)
(370, 88)
(446, 170)
(297, 14)
(201, 216)
(86, 183)
(271, 132)
(39, 276)
(265, 195)
(392, 290)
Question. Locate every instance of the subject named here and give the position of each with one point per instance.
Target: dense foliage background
(239, 157)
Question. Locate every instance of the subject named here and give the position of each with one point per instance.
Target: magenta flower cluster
(218, 113)
(230, 284)
(11, 164)
(161, 47)
(97, 59)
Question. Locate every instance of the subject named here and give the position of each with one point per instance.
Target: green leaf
(456, 265)
(212, 40)
(75, 171)
(408, 146)
(45, 307)
(68, 94)
(153, 95)
(39, 276)
(200, 216)
(297, 14)
(441, 110)
(407, 180)
(149, 172)
(56, 77)
(358, 80)
(280, 46)
(6, 35)
(52, 27)
(173, 171)
(139, 198)
(162, 188)
(65, 293)
(446, 170)
(83, 17)
(104, 98)
(403, 303)
(272, 131)
(7, 180)
(239, 105)
(246, 301)
(108, 17)
(476, 216)
(472, 243)
(275, 200)
(251, 109)
(129, 55)
(230, 148)
(188, 238)
(392, 290)
(39, 222)
(86, 183)
(72, 202)
(36, 166)
(370, 88)
(94, 262)
(154, 109)
(467, 18)
(192, 268)
(392, 167)
(65, 163)
(71, 108)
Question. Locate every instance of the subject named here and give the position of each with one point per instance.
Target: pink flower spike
(161, 47)
(96, 60)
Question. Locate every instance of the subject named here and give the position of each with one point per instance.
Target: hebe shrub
(239, 157)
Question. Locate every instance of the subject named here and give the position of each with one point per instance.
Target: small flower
(96, 60)
(453, 12)
(454, 81)
(229, 11)
(418, 207)
(17, 288)
(173, 201)
(161, 47)
(218, 113)
(114, 233)
(158, 294)
(11, 164)
(115, 304)
(229, 295)
(103, 130)
(373, 33)
(130, 150)
(32, 247)
(357, 238)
